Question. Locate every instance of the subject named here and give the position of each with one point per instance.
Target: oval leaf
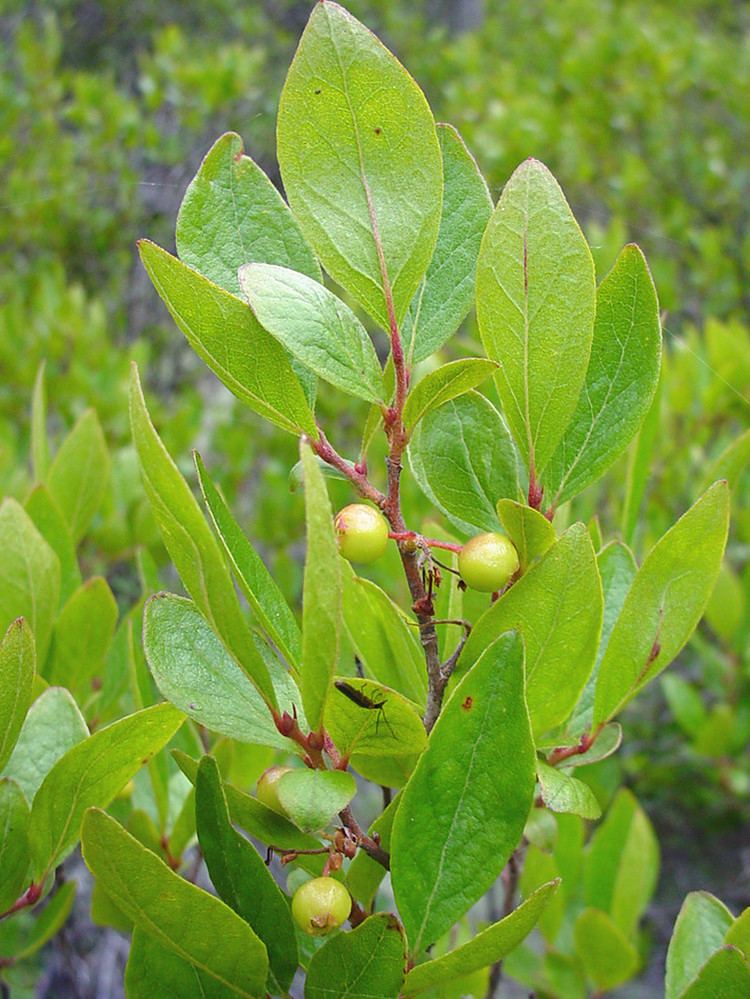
(487, 947)
(53, 725)
(192, 546)
(664, 602)
(30, 578)
(367, 963)
(91, 774)
(242, 879)
(223, 331)
(446, 293)
(466, 804)
(14, 842)
(464, 460)
(198, 927)
(316, 327)
(312, 797)
(232, 214)
(360, 161)
(621, 379)
(369, 719)
(321, 595)
(699, 931)
(447, 382)
(255, 581)
(536, 299)
(528, 529)
(78, 477)
(194, 671)
(563, 793)
(17, 667)
(557, 607)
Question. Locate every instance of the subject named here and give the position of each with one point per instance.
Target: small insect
(361, 699)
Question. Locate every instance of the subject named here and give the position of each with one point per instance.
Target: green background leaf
(699, 931)
(78, 476)
(17, 667)
(312, 797)
(664, 603)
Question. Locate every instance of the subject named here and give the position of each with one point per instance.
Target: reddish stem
(417, 539)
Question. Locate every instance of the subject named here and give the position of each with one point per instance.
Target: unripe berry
(362, 533)
(267, 791)
(487, 562)
(321, 905)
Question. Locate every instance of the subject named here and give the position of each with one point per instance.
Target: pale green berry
(361, 532)
(321, 905)
(487, 562)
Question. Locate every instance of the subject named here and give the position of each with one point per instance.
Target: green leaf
(82, 637)
(254, 817)
(617, 570)
(14, 842)
(223, 331)
(621, 379)
(78, 477)
(464, 809)
(622, 863)
(725, 611)
(316, 327)
(17, 669)
(39, 440)
(386, 645)
(464, 460)
(392, 729)
(312, 797)
(193, 548)
(536, 299)
(607, 955)
(367, 963)
(90, 775)
(154, 969)
(738, 934)
(232, 214)
(606, 743)
(664, 603)
(446, 293)
(256, 582)
(50, 523)
(360, 161)
(640, 466)
(198, 927)
(487, 947)
(730, 463)
(29, 576)
(53, 725)
(445, 383)
(563, 793)
(194, 671)
(321, 596)
(685, 703)
(557, 607)
(699, 931)
(528, 529)
(242, 879)
(49, 921)
(726, 973)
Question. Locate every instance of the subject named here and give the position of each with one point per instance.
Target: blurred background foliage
(640, 110)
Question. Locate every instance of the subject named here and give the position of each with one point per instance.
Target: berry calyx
(487, 562)
(321, 905)
(361, 532)
(267, 791)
